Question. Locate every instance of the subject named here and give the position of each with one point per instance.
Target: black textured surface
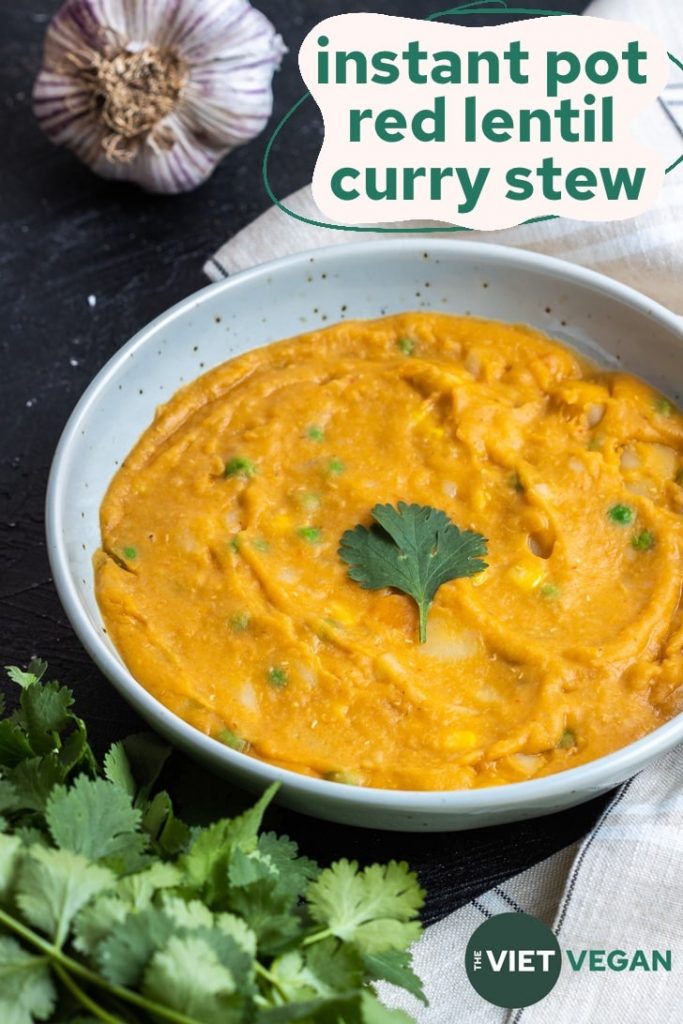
(66, 235)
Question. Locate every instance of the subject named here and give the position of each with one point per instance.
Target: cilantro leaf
(75, 752)
(14, 744)
(189, 976)
(374, 908)
(238, 930)
(207, 860)
(414, 549)
(133, 893)
(192, 915)
(268, 912)
(96, 921)
(374, 1012)
(52, 887)
(44, 726)
(169, 835)
(96, 819)
(394, 966)
(10, 858)
(146, 754)
(336, 966)
(27, 993)
(293, 871)
(321, 1010)
(9, 798)
(293, 979)
(33, 674)
(244, 869)
(138, 889)
(123, 956)
(45, 712)
(117, 769)
(33, 780)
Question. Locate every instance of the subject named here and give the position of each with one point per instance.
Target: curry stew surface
(220, 583)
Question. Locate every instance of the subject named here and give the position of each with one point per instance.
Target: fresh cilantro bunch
(113, 910)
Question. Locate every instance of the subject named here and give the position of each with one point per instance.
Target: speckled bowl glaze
(609, 322)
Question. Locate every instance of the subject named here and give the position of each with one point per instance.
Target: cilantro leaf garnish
(414, 549)
(113, 907)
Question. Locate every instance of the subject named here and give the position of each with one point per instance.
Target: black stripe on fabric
(481, 909)
(508, 899)
(582, 856)
(668, 113)
(577, 868)
(219, 267)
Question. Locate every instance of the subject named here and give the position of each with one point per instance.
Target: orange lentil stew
(221, 585)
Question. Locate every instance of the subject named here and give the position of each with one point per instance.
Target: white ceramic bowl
(610, 322)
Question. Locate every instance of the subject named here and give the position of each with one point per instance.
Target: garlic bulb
(156, 91)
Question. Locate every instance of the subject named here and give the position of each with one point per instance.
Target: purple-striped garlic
(156, 91)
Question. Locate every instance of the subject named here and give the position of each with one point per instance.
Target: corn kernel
(342, 614)
(434, 432)
(460, 739)
(281, 523)
(526, 575)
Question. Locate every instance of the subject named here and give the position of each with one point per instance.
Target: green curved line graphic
(501, 8)
(473, 7)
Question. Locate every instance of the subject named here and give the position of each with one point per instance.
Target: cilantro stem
(269, 977)
(60, 959)
(317, 937)
(423, 609)
(83, 997)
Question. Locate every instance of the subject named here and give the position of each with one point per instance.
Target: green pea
(240, 622)
(406, 346)
(622, 515)
(643, 541)
(277, 676)
(240, 466)
(311, 534)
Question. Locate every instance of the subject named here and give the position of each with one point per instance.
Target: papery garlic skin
(199, 70)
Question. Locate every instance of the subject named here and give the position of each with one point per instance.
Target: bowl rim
(594, 776)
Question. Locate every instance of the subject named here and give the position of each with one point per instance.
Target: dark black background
(65, 235)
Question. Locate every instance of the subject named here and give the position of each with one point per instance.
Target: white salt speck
(31, 402)
(92, 301)
(73, 361)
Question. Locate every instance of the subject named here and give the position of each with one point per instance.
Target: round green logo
(513, 960)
